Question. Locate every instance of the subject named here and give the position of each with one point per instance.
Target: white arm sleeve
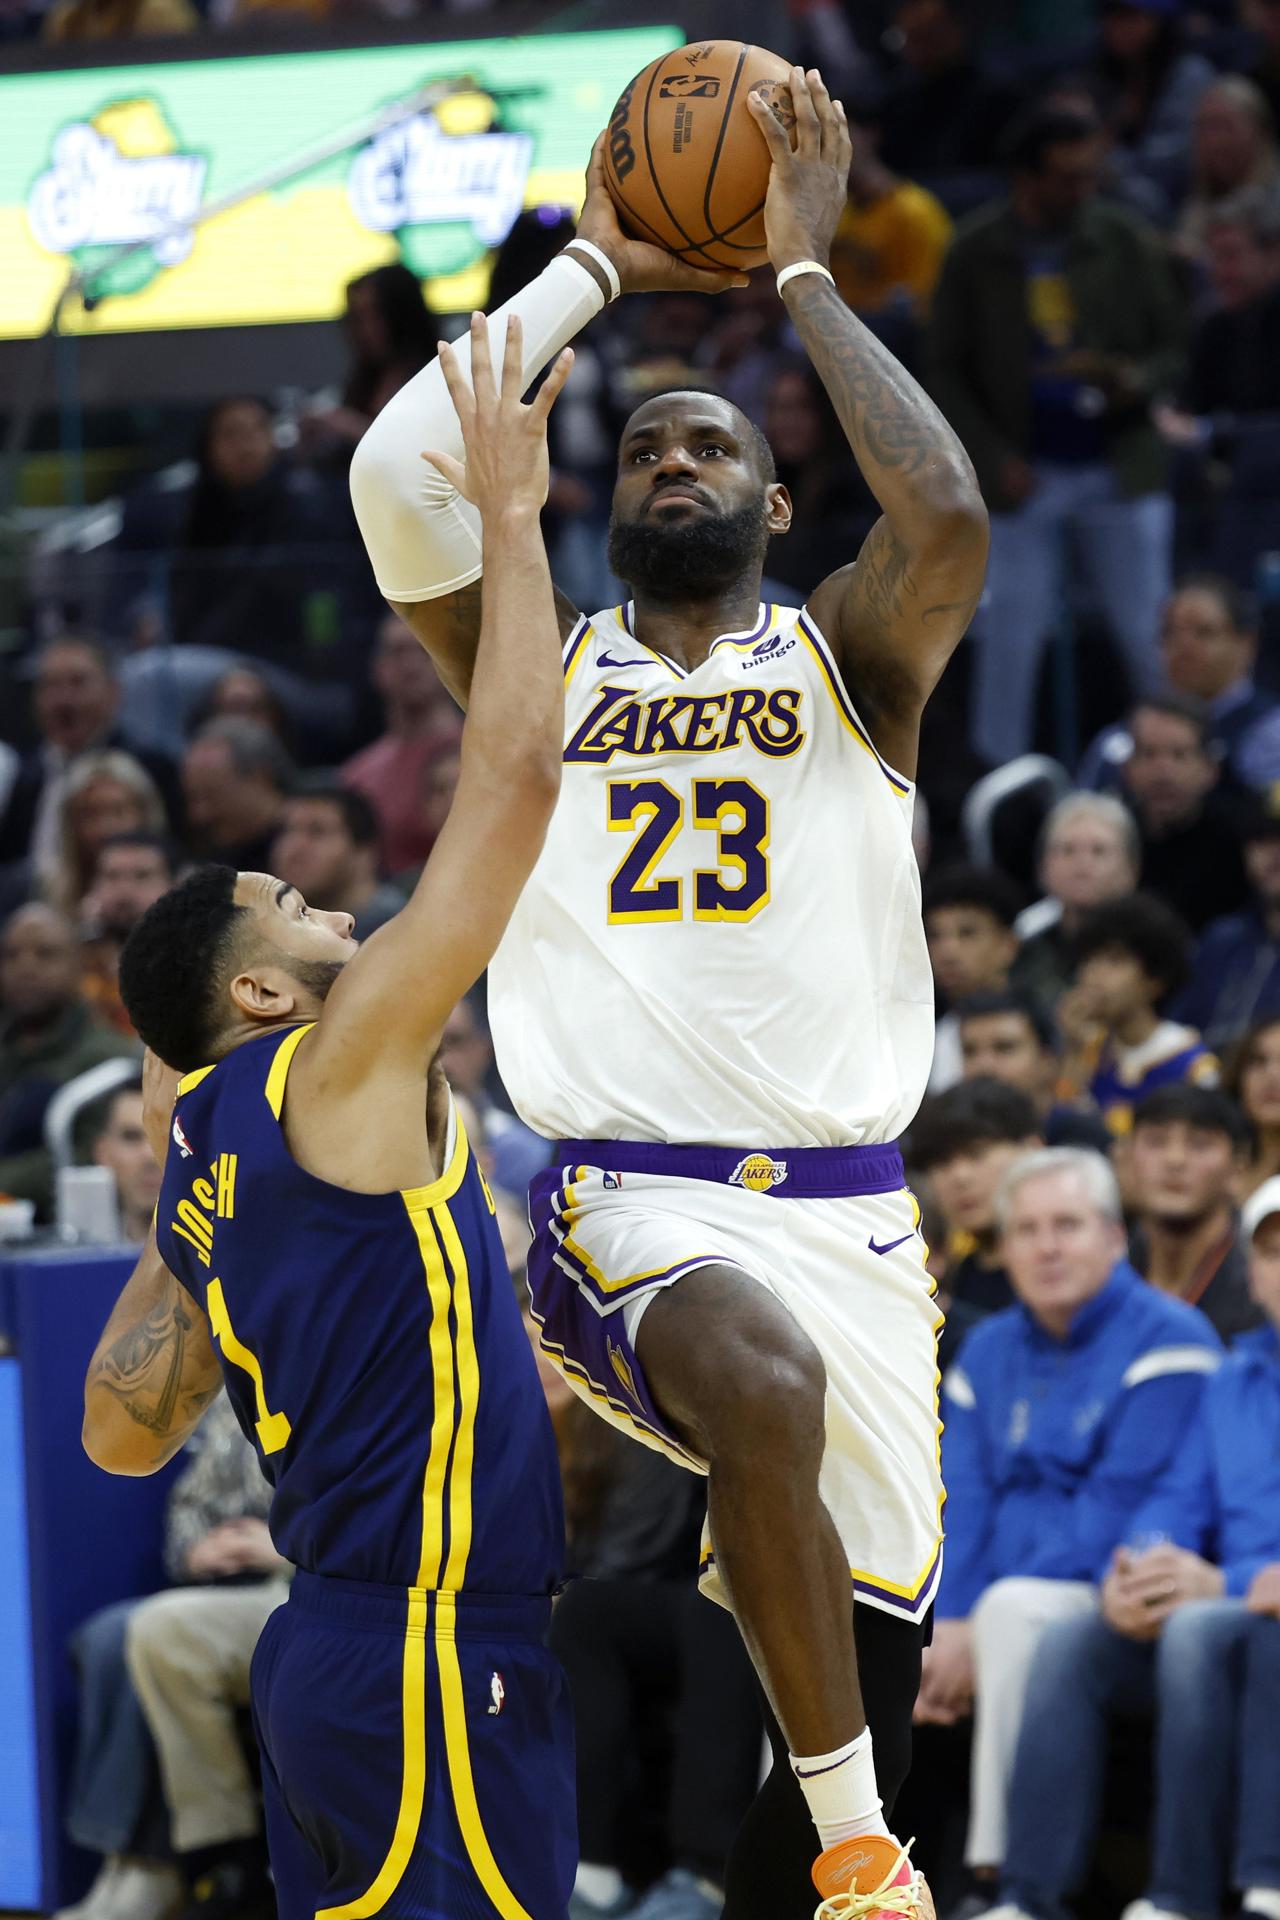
(421, 535)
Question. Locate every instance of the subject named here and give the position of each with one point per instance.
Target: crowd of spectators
(1066, 219)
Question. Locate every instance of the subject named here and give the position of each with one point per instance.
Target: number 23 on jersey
(656, 815)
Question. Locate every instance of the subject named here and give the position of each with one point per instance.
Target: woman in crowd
(1150, 84)
(103, 793)
(1233, 146)
(1252, 1078)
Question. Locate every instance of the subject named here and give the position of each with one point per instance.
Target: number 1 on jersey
(273, 1428)
(736, 888)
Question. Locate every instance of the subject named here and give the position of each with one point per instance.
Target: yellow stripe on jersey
(831, 679)
(280, 1066)
(574, 652)
(194, 1078)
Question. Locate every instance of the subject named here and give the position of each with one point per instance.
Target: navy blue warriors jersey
(372, 1346)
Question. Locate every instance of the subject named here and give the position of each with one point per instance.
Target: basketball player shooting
(326, 1244)
(715, 995)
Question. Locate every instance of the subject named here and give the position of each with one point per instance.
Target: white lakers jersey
(721, 942)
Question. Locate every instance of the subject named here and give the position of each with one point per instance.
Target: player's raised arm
(391, 1001)
(422, 535)
(895, 617)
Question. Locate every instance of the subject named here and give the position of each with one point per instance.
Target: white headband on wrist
(804, 266)
(602, 260)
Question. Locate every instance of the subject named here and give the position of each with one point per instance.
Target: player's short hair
(982, 1112)
(766, 465)
(962, 885)
(175, 966)
(358, 815)
(982, 1006)
(1157, 937)
(1208, 1108)
(1092, 1169)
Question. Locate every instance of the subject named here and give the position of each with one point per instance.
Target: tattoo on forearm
(891, 422)
(142, 1368)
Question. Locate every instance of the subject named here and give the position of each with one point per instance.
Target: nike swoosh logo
(607, 660)
(889, 1245)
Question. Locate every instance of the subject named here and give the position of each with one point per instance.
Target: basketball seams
(725, 111)
(679, 226)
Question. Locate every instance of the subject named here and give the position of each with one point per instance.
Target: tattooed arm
(153, 1373)
(895, 617)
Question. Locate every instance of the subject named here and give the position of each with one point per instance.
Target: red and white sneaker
(871, 1878)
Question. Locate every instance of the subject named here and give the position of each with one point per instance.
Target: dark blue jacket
(1235, 979)
(1051, 1445)
(1220, 1494)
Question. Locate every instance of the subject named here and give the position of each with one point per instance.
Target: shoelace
(904, 1900)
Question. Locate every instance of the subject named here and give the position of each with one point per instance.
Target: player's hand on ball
(808, 185)
(641, 268)
(507, 468)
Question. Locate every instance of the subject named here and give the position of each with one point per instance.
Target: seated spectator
(242, 694)
(1232, 375)
(1251, 1076)
(419, 717)
(466, 1055)
(1189, 1634)
(888, 248)
(1235, 977)
(1055, 322)
(1185, 1160)
(965, 1141)
(121, 1145)
(1233, 147)
(1089, 854)
(1133, 955)
(1209, 648)
(75, 703)
(666, 1709)
(236, 775)
(1150, 84)
(255, 533)
(1190, 838)
(1060, 1412)
(1006, 1037)
(327, 848)
(968, 922)
(131, 871)
(48, 1035)
(833, 510)
(118, 19)
(944, 112)
(391, 334)
(103, 793)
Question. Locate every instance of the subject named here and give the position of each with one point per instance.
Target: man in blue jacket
(1189, 1627)
(1061, 1411)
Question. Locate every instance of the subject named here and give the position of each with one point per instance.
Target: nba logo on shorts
(611, 1180)
(758, 1172)
(497, 1694)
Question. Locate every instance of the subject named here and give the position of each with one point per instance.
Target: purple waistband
(814, 1173)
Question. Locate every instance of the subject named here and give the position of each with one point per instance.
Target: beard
(317, 976)
(693, 559)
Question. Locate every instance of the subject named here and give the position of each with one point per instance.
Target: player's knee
(770, 1399)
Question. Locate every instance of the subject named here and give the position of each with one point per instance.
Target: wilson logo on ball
(621, 152)
(689, 86)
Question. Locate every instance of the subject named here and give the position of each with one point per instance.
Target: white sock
(840, 1788)
(1263, 1900)
(600, 1885)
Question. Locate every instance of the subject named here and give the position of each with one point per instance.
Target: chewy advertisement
(100, 159)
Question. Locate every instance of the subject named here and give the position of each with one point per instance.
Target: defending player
(715, 994)
(325, 1240)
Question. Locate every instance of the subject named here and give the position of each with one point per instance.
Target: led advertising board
(100, 158)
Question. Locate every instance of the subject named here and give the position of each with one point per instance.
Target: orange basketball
(684, 161)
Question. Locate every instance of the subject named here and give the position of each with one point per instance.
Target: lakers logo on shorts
(758, 1172)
